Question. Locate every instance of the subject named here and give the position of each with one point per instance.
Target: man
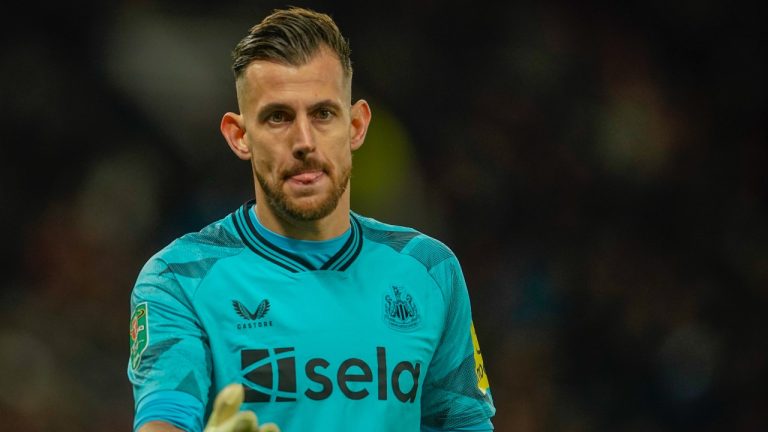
(329, 320)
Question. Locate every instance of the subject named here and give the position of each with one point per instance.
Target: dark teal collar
(290, 261)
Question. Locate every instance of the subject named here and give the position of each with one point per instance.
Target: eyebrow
(272, 107)
(278, 106)
(325, 103)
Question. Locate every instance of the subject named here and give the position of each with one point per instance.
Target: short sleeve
(456, 391)
(168, 348)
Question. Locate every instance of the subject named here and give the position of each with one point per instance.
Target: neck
(331, 226)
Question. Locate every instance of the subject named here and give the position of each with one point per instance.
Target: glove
(227, 417)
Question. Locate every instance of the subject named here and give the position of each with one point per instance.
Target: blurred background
(600, 171)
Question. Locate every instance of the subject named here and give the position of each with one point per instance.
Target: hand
(227, 417)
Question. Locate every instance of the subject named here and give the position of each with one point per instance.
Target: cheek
(340, 155)
(341, 148)
(263, 158)
(343, 162)
(262, 164)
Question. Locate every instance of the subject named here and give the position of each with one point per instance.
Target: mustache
(305, 166)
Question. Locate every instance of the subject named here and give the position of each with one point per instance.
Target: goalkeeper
(295, 308)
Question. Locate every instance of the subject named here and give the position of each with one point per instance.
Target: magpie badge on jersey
(139, 331)
(482, 377)
(400, 311)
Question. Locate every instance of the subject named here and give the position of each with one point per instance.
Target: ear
(233, 129)
(361, 118)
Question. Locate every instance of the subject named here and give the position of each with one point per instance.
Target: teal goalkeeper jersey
(377, 337)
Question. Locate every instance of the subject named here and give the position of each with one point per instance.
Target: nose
(303, 139)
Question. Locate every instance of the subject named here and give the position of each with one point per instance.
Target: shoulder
(426, 249)
(192, 254)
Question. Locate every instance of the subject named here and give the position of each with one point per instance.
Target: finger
(245, 421)
(269, 427)
(227, 404)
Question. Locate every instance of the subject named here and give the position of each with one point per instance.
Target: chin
(310, 208)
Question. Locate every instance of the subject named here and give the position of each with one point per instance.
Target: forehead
(264, 82)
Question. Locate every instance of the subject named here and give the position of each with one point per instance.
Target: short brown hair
(291, 36)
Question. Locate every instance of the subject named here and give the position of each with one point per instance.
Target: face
(298, 129)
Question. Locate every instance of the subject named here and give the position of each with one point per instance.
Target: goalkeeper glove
(227, 417)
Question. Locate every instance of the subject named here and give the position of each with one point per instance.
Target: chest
(368, 332)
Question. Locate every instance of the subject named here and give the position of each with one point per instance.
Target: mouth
(306, 177)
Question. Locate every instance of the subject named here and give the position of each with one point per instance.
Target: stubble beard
(285, 207)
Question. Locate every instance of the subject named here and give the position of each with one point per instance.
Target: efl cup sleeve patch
(482, 377)
(139, 332)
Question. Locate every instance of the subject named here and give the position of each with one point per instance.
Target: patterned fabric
(376, 338)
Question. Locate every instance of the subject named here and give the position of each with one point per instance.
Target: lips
(307, 177)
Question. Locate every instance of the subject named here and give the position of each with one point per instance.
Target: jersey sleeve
(169, 348)
(456, 392)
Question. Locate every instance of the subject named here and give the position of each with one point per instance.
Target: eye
(323, 114)
(277, 117)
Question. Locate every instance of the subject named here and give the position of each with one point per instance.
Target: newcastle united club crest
(400, 311)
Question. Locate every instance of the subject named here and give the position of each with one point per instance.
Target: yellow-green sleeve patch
(482, 377)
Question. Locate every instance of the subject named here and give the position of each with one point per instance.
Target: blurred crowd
(600, 171)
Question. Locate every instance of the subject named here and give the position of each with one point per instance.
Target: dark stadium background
(600, 171)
